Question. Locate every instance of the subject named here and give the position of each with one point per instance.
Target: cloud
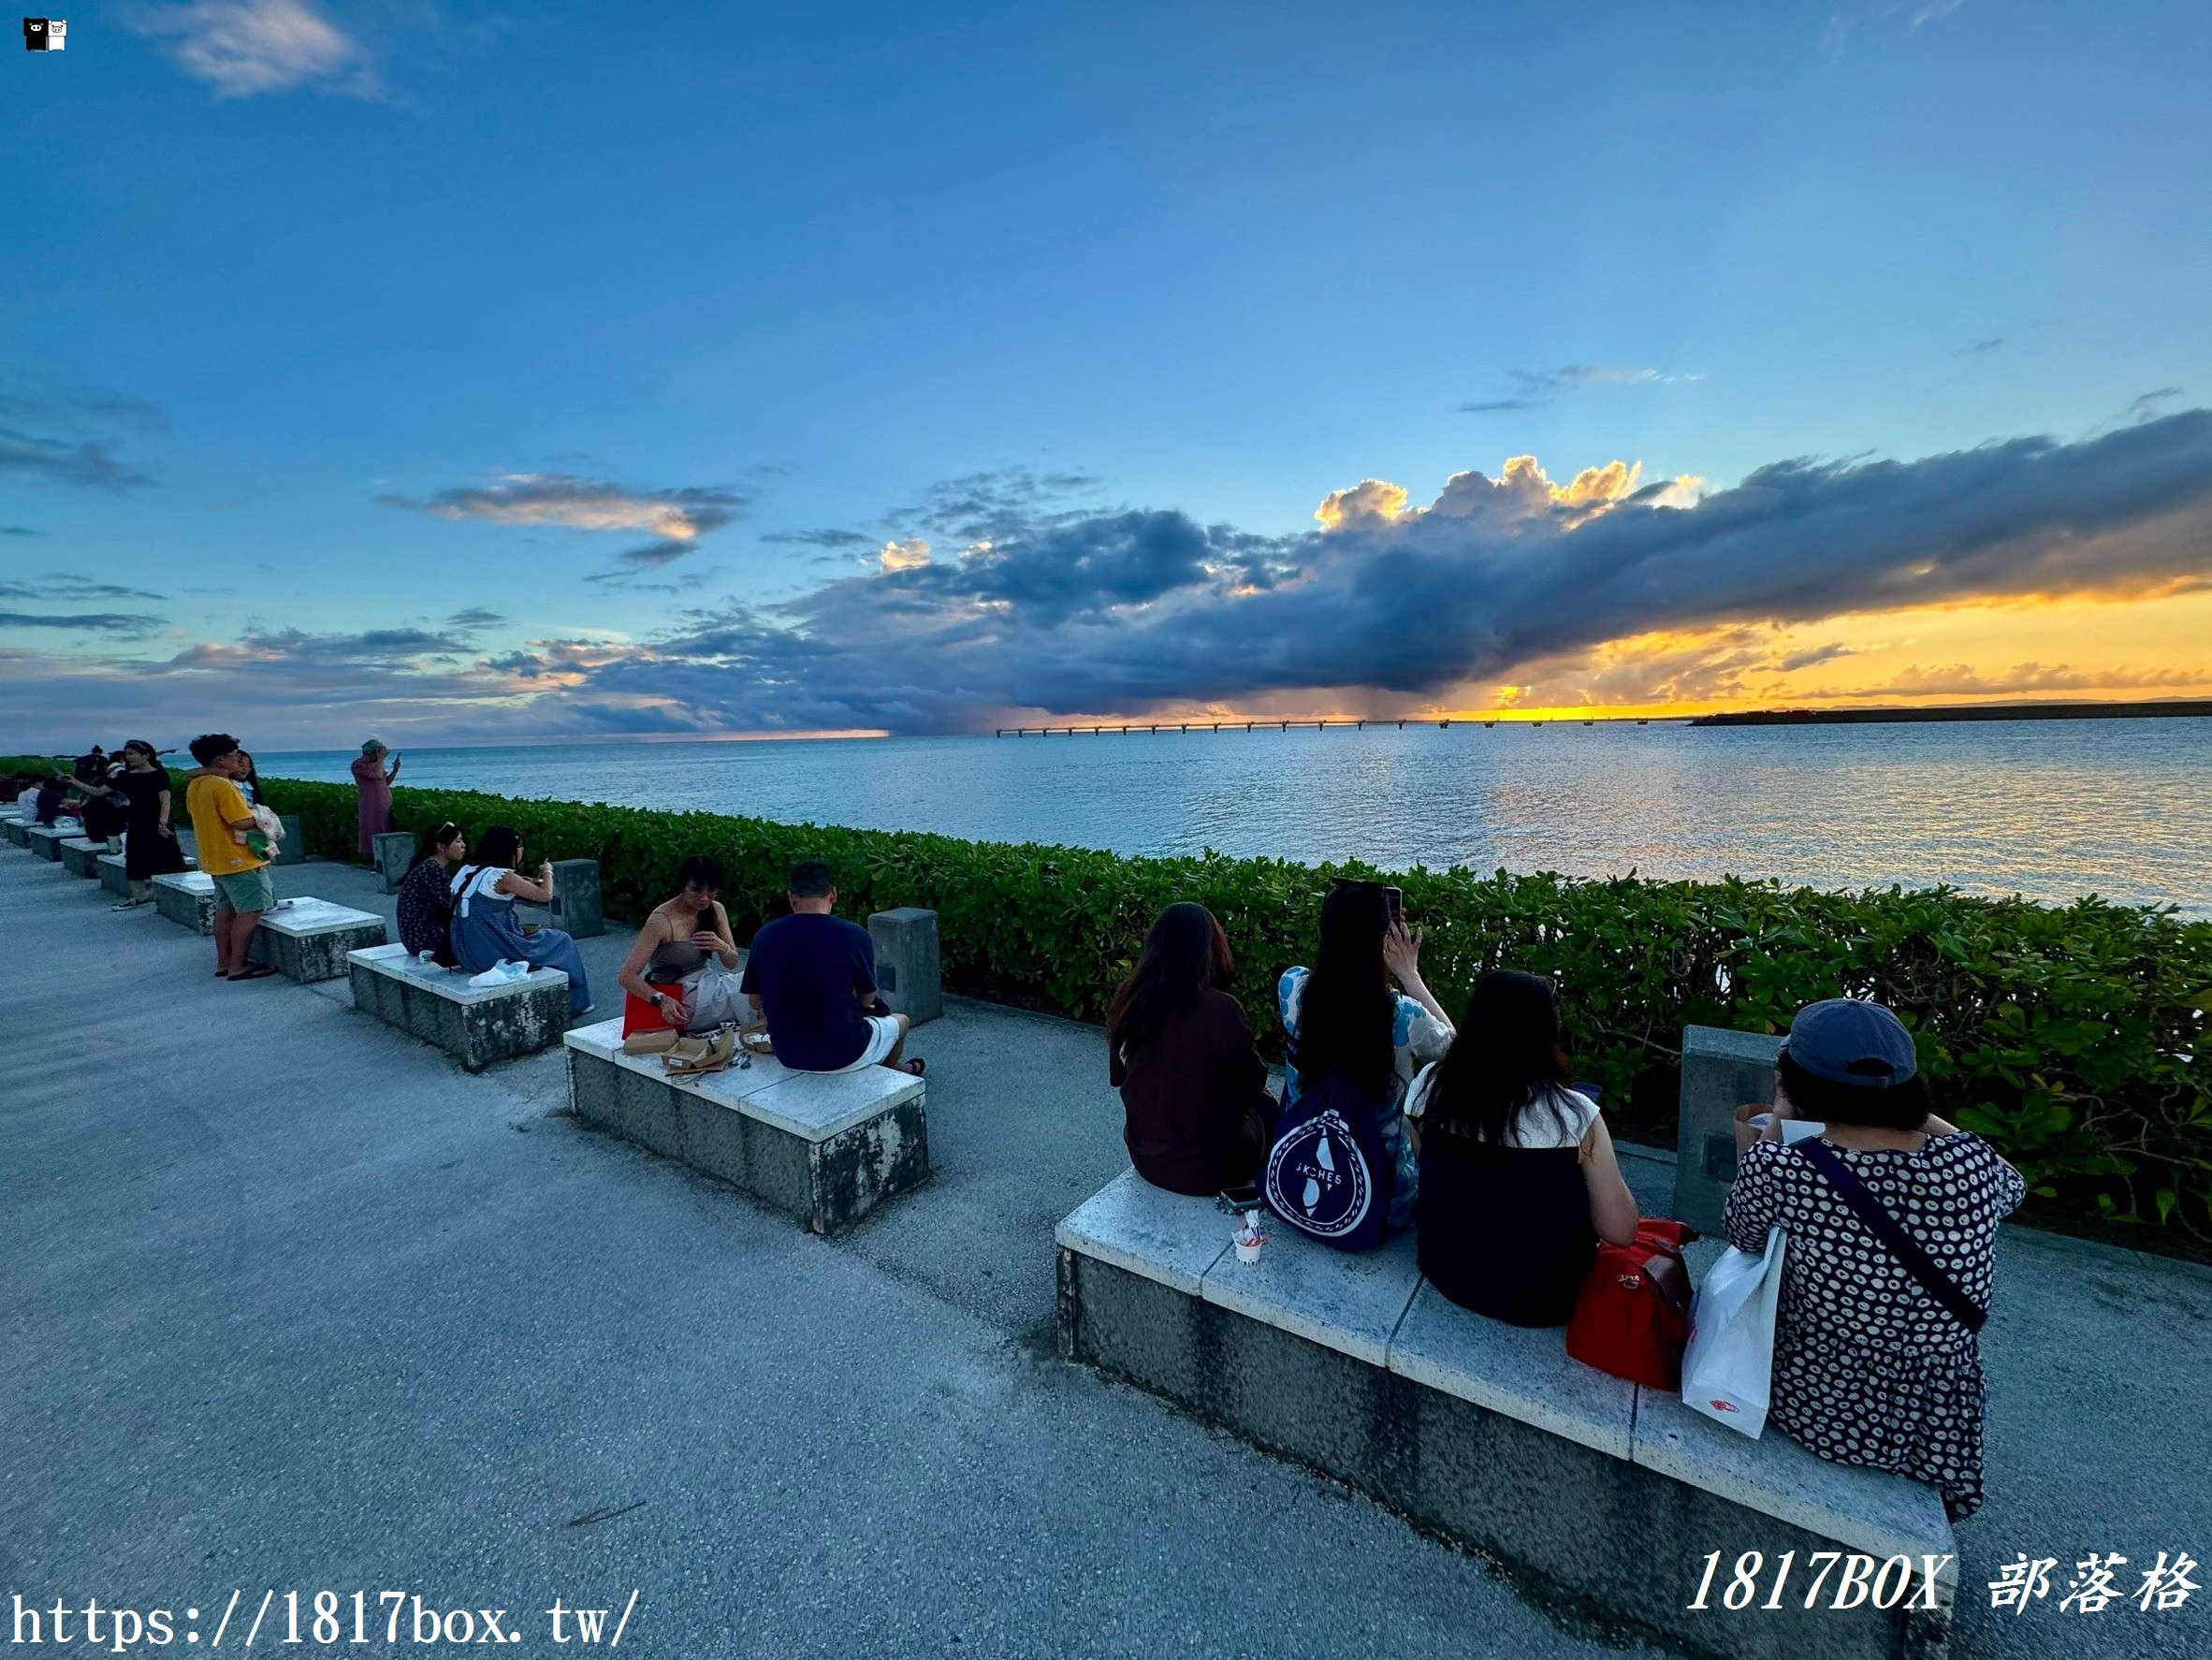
(1533, 388)
(2147, 405)
(821, 538)
(474, 616)
(583, 504)
(88, 462)
(61, 585)
(78, 410)
(1986, 345)
(1892, 15)
(1602, 585)
(1961, 680)
(244, 46)
(108, 622)
(905, 556)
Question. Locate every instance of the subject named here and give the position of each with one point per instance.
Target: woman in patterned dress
(1869, 1368)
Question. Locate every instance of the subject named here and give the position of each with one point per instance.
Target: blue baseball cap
(1847, 1041)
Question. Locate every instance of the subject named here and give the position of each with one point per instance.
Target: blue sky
(351, 321)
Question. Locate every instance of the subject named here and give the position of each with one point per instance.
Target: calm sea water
(2053, 809)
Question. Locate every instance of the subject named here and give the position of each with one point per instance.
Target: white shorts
(882, 1034)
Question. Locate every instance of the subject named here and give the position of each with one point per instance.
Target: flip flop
(913, 1066)
(258, 971)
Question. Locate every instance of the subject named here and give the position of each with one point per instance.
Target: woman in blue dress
(485, 930)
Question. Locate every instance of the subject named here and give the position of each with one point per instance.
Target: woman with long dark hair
(424, 902)
(1343, 1016)
(1179, 1049)
(150, 840)
(1518, 1180)
(485, 931)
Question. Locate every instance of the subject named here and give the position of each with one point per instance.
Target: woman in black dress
(425, 905)
(149, 841)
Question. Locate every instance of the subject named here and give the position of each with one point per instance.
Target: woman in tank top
(1519, 1181)
(667, 978)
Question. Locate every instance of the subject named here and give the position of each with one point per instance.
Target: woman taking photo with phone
(1193, 1087)
(1343, 1016)
(485, 931)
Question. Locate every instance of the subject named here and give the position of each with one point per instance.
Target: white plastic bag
(1728, 1368)
(503, 973)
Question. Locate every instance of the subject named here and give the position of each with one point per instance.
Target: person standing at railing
(373, 779)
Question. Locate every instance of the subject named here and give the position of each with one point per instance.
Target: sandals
(694, 1058)
(258, 971)
(913, 1066)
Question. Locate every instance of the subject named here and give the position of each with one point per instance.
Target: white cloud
(244, 46)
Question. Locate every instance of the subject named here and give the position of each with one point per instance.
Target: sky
(466, 374)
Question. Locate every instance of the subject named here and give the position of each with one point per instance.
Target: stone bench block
(81, 856)
(45, 839)
(1593, 1493)
(187, 899)
(576, 908)
(906, 962)
(114, 875)
(292, 850)
(475, 1024)
(309, 939)
(826, 1148)
(391, 853)
(17, 831)
(1720, 1070)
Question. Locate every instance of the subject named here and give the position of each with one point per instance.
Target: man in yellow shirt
(221, 821)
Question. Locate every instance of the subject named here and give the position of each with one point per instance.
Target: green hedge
(2070, 1036)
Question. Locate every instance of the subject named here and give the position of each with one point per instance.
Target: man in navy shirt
(810, 973)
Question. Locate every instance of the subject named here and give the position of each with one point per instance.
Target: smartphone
(1394, 902)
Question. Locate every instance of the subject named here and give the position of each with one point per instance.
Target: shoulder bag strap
(1903, 1245)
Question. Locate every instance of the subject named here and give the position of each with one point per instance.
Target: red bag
(1633, 1317)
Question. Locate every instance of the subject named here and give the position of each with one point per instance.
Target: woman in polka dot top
(1869, 1368)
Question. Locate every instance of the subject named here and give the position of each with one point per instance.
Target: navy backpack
(1329, 1175)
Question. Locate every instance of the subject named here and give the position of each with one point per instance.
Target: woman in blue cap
(1891, 1215)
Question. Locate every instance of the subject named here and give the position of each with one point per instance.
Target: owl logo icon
(45, 34)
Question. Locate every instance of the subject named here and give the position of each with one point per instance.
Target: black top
(809, 971)
(426, 912)
(1505, 1231)
(1196, 1099)
(146, 851)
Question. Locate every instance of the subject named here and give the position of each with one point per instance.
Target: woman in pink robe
(375, 783)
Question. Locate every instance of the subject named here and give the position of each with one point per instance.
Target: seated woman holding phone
(1343, 1016)
(1193, 1087)
(680, 974)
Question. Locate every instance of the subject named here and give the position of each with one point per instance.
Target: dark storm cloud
(1133, 609)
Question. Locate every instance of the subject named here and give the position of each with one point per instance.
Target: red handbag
(1633, 1317)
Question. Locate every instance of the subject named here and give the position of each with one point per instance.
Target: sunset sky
(463, 374)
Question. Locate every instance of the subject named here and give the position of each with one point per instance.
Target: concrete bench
(81, 856)
(187, 899)
(115, 878)
(310, 939)
(392, 853)
(45, 839)
(17, 830)
(1720, 1070)
(825, 1147)
(475, 1024)
(1590, 1490)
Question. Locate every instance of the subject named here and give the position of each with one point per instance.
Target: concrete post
(293, 848)
(906, 962)
(1720, 1070)
(576, 906)
(391, 853)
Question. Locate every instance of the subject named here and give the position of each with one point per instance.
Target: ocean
(2051, 809)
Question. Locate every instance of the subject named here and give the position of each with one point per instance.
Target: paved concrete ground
(287, 1300)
